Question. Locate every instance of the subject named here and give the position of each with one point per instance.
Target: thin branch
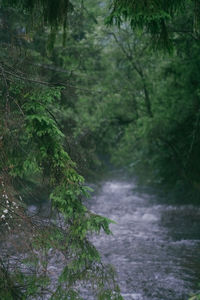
(47, 83)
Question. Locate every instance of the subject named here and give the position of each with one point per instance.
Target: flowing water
(154, 247)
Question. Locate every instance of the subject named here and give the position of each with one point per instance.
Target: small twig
(47, 83)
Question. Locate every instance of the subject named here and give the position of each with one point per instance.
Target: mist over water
(154, 247)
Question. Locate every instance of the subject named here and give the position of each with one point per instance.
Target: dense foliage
(76, 96)
(34, 156)
(157, 17)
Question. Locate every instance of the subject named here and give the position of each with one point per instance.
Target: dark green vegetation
(75, 95)
(159, 18)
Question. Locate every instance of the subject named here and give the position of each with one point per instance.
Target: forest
(89, 87)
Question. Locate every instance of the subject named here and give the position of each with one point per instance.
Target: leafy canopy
(156, 17)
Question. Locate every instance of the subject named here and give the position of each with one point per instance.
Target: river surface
(154, 246)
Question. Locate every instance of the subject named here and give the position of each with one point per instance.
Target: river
(154, 246)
